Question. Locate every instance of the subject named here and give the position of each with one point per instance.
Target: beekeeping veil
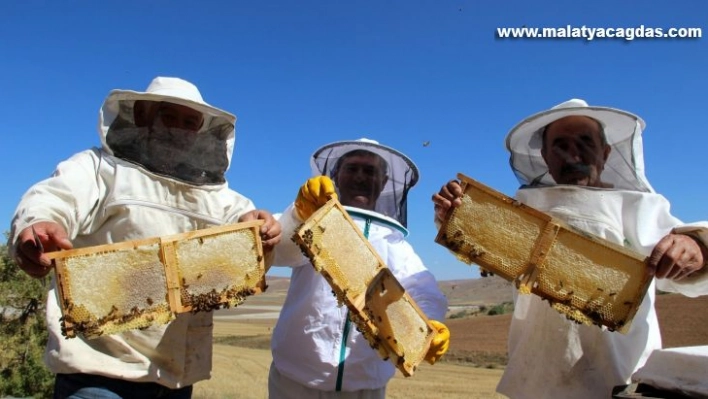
(401, 171)
(624, 169)
(197, 156)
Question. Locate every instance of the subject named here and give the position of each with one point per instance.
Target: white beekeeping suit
(550, 356)
(313, 343)
(143, 182)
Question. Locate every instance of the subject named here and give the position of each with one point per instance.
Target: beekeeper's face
(172, 140)
(575, 151)
(360, 178)
(149, 113)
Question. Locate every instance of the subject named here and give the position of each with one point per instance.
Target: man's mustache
(571, 168)
(361, 188)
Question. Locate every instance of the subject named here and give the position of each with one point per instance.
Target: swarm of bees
(214, 300)
(92, 327)
(373, 339)
(205, 302)
(308, 237)
(458, 244)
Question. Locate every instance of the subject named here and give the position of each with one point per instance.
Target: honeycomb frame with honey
(107, 289)
(382, 310)
(588, 279)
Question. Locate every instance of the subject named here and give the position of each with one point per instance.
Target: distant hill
(478, 291)
(277, 284)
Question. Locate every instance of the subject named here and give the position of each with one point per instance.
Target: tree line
(23, 332)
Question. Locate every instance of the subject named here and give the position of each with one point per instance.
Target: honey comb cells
(112, 288)
(379, 306)
(586, 278)
(125, 300)
(397, 318)
(214, 271)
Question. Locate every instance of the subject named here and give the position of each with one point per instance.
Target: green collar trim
(378, 218)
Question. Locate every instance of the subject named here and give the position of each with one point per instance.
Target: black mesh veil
(197, 157)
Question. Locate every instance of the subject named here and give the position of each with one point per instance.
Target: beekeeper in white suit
(316, 350)
(584, 164)
(160, 171)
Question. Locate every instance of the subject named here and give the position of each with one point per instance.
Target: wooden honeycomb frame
(382, 310)
(604, 285)
(150, 280)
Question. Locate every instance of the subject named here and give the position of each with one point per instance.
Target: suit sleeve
(654, 221)
(418, 281)
(68, 197)
(287, 253)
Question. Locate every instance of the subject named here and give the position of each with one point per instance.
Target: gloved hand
(439, 344)
(312, 195)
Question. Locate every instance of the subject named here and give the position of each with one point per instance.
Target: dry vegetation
(471, 369)
(240, 370)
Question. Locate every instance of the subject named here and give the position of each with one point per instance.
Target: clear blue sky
(299, 74)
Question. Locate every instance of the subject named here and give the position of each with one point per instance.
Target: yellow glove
(439, 344)
(312, 195)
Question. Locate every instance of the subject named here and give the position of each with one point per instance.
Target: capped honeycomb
(219, 269)
(111, 288)
(466, 233)
(397, 322)
(343, 254)
(588, 279)
(383, 312)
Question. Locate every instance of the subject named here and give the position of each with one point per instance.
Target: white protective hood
(624, 168)
(210, 153)
(402, 173)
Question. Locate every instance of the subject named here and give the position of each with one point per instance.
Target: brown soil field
(471, 369)
(683, 322)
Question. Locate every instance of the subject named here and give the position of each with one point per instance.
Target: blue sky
(300, 74)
